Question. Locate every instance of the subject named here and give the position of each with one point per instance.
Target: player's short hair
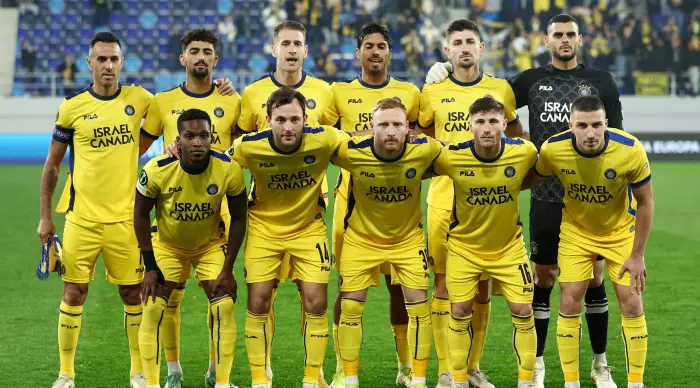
(284, 96)
(288, 25)
(463, 25)
(561, 18)
(373, 28)
(389, 103)
(104, 37)
(587, 104)
(199, 35)
(191, 115)
(486, 104)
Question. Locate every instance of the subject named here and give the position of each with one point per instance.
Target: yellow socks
(480, 322)
(132, 324)
(69, 323)
(403, 353)
(256, 334)
(420, 336)
(459, 337)
(634, 335)
(524, 345)
(223, 336)
(270, 328)
(315, 344)
(568, 343)
(150, 336)
(336, 347)
(440, 316)
(350, 334)
(171, 326)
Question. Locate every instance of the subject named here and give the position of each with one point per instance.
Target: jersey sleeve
(153, 125)
(510, 106)
(236, 114)
(441, 164)
(426, 114)
(330, 115)
(236, 185)
(640, 172)
(247, 120)
(340, 155)
(543, 167)
(414, 109)
(336, 138)
(531, 154)
(520, 88)
(147, 184)
(613, 106)
(63, 129)
(236, 153)
(435, 149)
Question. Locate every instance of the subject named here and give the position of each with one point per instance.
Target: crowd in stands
(625, 37)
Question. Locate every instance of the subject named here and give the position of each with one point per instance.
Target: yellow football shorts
(512, 273)
(576, 257)
(83, 241)
(176, 264)
(309, 258)
(361, 261)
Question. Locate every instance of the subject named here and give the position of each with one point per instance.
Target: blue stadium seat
(85, 34)
(56, 6)
(210, 21)
(131, 4)
(257, 63)
(132, 34)
(52, 63)
(164, 5)
(82, 66)
(148, 65)
(225, 63)
(70, 48)
(71, 19)
(163, 81)
(148, 35)
(194, 20)
(163, 20)
(148, 19)
(118, 20)
(132, 64)
(179, 19)
(22, 35)
(18, 89)
(56, 19)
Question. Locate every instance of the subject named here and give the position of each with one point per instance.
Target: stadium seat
(163, 81)
(225, 63)
(131, 4)
(210, 21)
(224, 7)
(132, 64)
(56, 6)
(53, 63)
(118, 20)
(148, 19)
(85, 34)
(163, 20)
(71, 19)
(194, 20)
(148, 36)
(82, 66)
(56, 19)
(148, 65)
(257, 63)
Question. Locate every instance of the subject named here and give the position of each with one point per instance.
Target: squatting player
(442, 114)
(548, 92)
(350, 110)
(384, 173)
(199, 59)
(290, 49)
(187, 195)
(485, 236)
(286, 209)
(608, 210)
(101, 125)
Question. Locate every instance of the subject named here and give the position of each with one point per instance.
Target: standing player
(548, 92)
(442, 115)
(384, 177)
(605, 173)
(199, 59)
(290, 49)
(286, 209)
(485, 236)
(101, 125)
(350, 110)
(187, 196)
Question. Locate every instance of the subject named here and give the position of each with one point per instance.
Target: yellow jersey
(167, 106)
(188, 201)
(103, 134)
(254, 100)
(286, 199)
(445, 106)
(486, 217)
(385, 197)
(598, 197)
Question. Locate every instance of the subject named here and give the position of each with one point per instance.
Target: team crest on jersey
(584, 90)
(309, 159)
(212, 189)
(229, 151)
(533, 248)
(219, 112)
(129, 110)
(311, 103)
(509, 171)
(411, 173)
(610, 173)
(143, 178)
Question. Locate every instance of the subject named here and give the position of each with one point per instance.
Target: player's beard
(565, 58)
(197, 73)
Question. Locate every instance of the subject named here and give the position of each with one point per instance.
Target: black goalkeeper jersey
(548, 93)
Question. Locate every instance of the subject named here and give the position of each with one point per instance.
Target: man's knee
(545, 275)
(521, 309)
(462, 309)
(630, 304)
(572, 295)
(315, 302)
(74, 294)
(130, 294)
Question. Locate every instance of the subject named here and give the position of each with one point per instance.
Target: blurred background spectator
(68, 70)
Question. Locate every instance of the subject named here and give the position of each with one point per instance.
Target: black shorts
(545, 222)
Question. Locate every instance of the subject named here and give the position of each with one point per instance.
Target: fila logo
(177, 111)
(466, 173)
(354, 101)
(367, 174)
(90, 116)
(447, 100)
(174, 189)
(546, 88)
(266, 164)
(568, 172)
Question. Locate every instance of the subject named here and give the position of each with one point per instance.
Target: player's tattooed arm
(642, 226)
(49, 178)
(517, 130)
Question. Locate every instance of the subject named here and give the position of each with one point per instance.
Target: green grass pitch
(28, 344)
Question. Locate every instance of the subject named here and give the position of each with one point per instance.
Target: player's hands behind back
(638, 273)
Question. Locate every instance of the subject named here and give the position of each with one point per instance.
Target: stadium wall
(668, 127)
